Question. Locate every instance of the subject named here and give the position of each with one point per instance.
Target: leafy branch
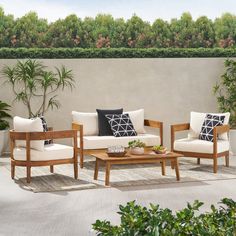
(30, 80)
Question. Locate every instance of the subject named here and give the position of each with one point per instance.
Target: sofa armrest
(155, 124)
(176, 128)
(79, 128)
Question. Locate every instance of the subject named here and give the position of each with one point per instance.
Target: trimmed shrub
(114, 52)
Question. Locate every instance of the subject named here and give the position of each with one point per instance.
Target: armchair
(52, 154)
(193, 147)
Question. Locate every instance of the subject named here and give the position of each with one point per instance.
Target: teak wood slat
(214, 156)
(79, 128)
(31, 136)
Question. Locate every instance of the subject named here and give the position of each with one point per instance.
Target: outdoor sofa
(89, 141)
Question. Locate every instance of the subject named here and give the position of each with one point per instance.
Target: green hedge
(114, 53)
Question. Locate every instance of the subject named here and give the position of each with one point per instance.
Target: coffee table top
(147, 155)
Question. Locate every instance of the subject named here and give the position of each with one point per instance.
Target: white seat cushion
(100, 142)
(200, 146)
(51, 152)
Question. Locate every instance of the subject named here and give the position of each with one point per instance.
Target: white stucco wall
(168, 89)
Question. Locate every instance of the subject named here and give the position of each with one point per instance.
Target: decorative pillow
(103, 125)
(29, 125)
(209, 123)
(45, 129)
(121, 125)
(137, 118)
(197, 119)
(88, 120)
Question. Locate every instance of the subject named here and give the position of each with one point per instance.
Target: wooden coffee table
(146, 158)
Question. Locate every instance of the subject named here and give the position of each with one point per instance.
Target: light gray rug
(121, 175)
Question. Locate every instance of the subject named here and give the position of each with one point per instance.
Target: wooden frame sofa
(83, 151)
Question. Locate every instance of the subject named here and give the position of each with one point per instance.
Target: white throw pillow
(137, 118)
(29, 125)
(88, 120)
(197, 119)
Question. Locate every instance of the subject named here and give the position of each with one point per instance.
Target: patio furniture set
(93, 133)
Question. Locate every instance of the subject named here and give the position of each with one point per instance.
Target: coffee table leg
(96, 169)
(163, 167)
(177, 169)
(107, 177)
(172, 164)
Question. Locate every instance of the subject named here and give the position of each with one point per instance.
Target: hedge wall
(9, 53)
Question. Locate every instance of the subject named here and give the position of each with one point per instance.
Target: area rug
(121, 175)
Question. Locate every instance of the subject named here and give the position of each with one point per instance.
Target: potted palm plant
(225, 91)
(4, 125)
(32, 83)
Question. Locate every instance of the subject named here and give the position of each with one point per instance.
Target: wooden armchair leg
(12, 171)
(81, 155)
(215, 164)
(28, 178)
(52, 169)
(198, 161)
(76, 170)
(227, 160)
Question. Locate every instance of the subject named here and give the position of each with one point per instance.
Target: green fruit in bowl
(159, 149)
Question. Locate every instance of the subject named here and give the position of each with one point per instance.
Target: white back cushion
(88, 120)
(29, 125)
(197, 119)
(137, 118)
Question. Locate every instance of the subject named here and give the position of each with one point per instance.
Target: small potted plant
(226, 97)
(4, 125)
(136, 147)
(159, 149)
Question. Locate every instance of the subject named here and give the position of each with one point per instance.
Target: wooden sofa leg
(52, 169)
(215, 164)
(198, 161)
(81, 154)
(227, 160)
(12, 171)
(28, 178)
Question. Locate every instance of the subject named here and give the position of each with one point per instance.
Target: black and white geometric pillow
(45, 128)
(121, 125)
(209, 123)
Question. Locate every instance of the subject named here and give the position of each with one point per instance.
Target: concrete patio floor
(72, 213)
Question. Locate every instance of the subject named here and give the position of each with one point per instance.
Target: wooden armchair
(83, 151)
(53, 154)
(200, 148)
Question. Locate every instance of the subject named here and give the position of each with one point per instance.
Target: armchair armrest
(42, 135)
(221, 129)
(218, 130)
(180, 127)
(176, 128)
(155, 124)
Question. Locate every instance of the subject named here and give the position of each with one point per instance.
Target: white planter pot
(232, 138)
(137, 151)
(4, 141)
